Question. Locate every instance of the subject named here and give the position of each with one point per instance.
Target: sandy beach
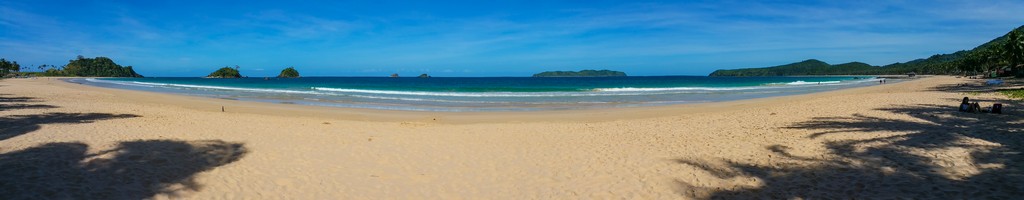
(61, 140)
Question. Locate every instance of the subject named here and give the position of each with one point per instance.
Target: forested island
(289, 72)
(1003, 56)
(225, 72)
(80, 66)
(583, 73)
(97, 67)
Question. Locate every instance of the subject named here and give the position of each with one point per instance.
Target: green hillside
(1004, 52)
(807, 67)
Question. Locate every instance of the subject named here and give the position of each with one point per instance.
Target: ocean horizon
(469, 94)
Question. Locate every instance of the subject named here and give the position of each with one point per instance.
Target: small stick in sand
(221, 108)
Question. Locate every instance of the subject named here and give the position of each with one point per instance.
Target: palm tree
(1013, 51)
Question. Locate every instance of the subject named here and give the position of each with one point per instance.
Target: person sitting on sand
(965, 105)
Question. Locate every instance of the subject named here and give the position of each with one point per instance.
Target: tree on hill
(289, 72)
(1013, 50)
(226, 72)
(98, 67)
(1004, 52)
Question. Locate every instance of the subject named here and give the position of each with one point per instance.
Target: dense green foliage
(8, 67)
(583, 73)
(80, 66)
(225, 72)
(807, 67)
(1003, 54)
(97, 67)
(52, 71)
(289, 72)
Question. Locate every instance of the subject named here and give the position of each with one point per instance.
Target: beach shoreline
(369, 114)
(479, 94)
(899, 140)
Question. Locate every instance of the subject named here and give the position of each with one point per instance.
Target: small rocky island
(225, 72)
(583, 73)
(289, 72)
(424, 76)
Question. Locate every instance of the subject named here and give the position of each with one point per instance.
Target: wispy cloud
(654, 38)
(294, 25)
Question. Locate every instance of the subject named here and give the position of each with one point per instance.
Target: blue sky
(485, 38)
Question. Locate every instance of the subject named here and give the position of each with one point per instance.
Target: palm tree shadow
(976, 85)
(969, 85)
(18, 106)
(132, 170)
(4, 99)
(910, 160)
(15, 125)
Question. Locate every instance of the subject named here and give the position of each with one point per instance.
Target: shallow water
(487, 93)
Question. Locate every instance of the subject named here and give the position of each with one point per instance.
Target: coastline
(899, 140)
(476, 94)
(367, 114)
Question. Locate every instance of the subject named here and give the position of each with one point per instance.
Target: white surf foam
(137, 83)
(596, 92)
(632, 89)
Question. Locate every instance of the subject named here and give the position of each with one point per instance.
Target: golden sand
(902, 140)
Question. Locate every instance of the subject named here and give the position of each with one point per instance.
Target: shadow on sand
(5, 99)
(17, 103)
(15, 125)
(18, 106)
(132, 170)
(977, 85)
(939, 154)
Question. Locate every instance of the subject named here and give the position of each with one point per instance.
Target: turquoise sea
(487, 93)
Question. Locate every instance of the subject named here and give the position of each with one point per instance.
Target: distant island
(1001, 56)
(225, 72)
(289, 72)
(583, 73)
(424, 76)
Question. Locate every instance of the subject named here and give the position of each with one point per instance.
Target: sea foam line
(633, 89)
(504, 94)
(626, 91)
(812, 83)
(137, 83)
